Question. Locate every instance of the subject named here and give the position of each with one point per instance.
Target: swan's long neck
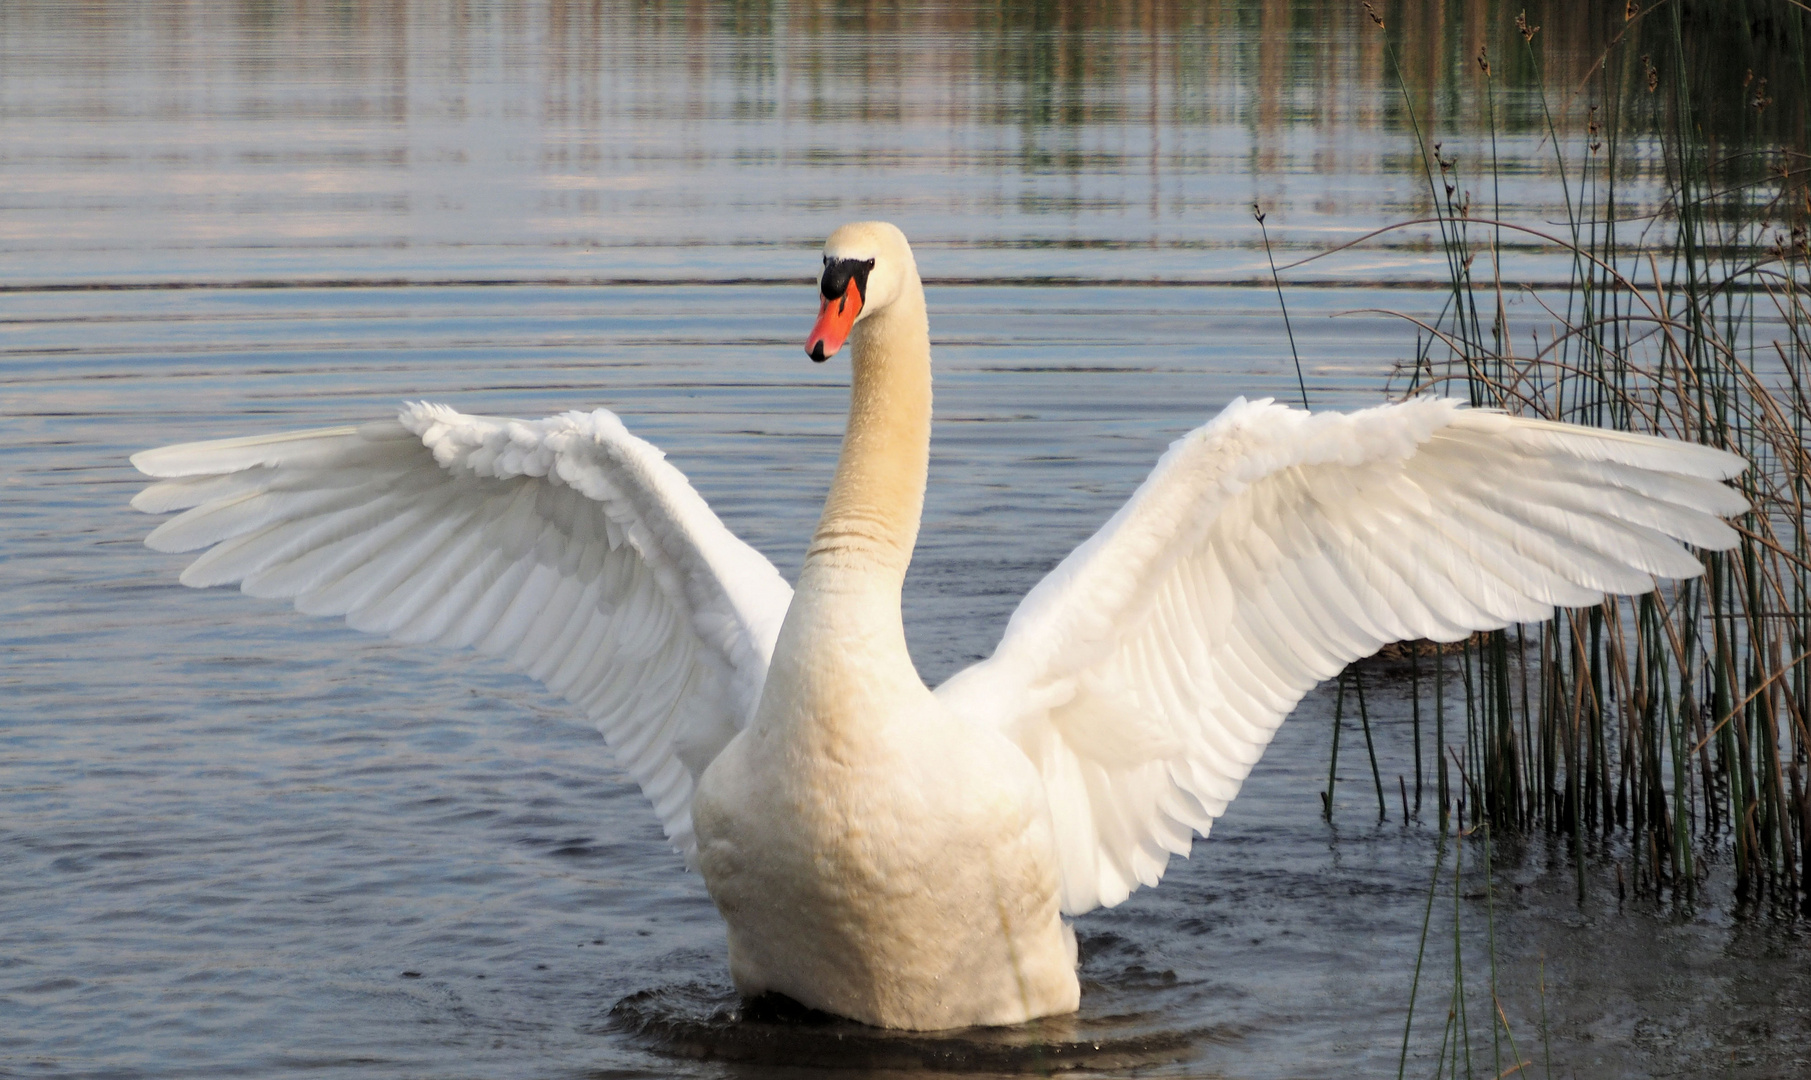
(870, 523)
(840, 668)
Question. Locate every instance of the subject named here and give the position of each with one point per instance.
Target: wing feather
(565, 546)
(1269, 548)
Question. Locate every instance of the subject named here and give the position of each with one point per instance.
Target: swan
(903, 856)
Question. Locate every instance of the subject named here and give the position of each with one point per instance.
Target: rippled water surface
(234, 841)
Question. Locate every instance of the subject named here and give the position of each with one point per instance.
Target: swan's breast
(908, 878)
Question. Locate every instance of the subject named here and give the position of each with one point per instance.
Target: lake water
(234, 841)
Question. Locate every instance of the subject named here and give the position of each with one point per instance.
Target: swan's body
(875, 855)
(879, 850)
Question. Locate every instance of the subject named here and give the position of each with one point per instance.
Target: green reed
(1669, 728)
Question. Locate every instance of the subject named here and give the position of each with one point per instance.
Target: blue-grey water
(238, 842)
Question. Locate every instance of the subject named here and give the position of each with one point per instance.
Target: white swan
(885, 852)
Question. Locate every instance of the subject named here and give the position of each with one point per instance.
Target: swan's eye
(839, 272)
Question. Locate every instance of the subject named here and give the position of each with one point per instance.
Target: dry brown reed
(1674, 727)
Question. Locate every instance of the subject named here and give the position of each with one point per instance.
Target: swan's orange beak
(834, 319)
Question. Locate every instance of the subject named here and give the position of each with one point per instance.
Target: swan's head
(867, 266)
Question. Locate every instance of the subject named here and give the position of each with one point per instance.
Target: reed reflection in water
(222, 141)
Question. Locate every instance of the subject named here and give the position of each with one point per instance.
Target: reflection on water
(240, 842)
(713, 1025)
(220, 141)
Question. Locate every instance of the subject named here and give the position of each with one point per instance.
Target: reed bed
(1667, 736)
(1673, 728)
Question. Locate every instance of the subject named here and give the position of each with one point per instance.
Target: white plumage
(846, 834)
(566, 546)
(1270, 548)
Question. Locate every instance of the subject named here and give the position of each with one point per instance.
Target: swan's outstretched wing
(567, 546)
(1270, 548)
